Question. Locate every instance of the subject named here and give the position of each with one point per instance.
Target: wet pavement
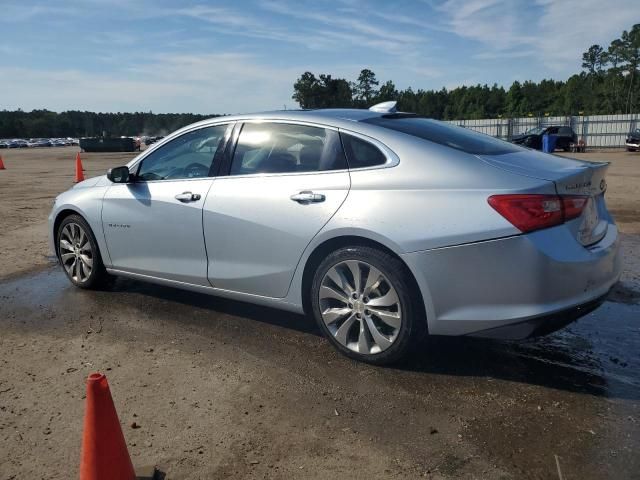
(460, 408)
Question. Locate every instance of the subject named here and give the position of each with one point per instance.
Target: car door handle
(308, 197)
(188, 197)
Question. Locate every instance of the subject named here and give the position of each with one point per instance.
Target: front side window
(187, 156)
(286, 148)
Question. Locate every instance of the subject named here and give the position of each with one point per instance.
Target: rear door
(285, 181)
(153, 225)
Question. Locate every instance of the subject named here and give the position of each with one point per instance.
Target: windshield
(535, 131)
(444, 134)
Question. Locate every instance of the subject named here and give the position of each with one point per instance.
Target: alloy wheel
(76, 253)
(360, 307)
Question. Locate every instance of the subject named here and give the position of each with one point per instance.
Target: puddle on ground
(604, 344)
(599, 354)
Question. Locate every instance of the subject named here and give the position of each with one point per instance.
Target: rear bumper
(543, 325)
(632, 144)
(526, 280)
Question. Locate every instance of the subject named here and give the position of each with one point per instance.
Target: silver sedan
(382, 225)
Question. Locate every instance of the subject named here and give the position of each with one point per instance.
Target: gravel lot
(222, 389)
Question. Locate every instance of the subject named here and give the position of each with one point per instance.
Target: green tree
(334, 92)
(322, 92)
(631, 55)
(305, 90)
(592, 59)
(614, 59)
(387, 92)
(365, 87)
(514, 100)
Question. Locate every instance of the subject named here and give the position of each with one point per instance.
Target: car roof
(330, 116)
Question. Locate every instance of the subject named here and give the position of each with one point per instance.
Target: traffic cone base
(79, 169)
(104, 451)
(147, 473)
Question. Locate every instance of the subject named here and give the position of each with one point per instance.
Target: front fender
(86, 202)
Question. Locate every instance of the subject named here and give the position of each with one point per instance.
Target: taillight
(573, 205)
(528, 212)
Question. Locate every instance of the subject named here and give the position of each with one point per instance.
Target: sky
(241, 56)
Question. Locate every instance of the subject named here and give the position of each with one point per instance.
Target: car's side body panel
(280, 303)
(486, 289)
(85, 199)
(255, 233)
(149, 231)
(435, 198)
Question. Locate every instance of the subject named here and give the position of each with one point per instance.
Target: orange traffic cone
(79, 172)
(1, 164)
(104, 451)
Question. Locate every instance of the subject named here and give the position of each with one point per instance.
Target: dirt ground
(222, 389)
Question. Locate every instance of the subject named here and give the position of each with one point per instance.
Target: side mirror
(118, 174)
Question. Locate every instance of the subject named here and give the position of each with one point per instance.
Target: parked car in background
(18, 143)
(151, 140)
(39, 142)
(533, 138)
(633, 141)
(4, 144)
(108, 144)
(382, 225)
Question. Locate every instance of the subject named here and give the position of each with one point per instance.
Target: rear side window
(286, 148)
(565, 131)
(361, 153)
(444, 134)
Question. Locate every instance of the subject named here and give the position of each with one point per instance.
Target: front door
(285, 183)
(153, 225)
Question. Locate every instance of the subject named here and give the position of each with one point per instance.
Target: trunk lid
(571, 177)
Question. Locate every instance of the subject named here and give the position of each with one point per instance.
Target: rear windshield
(445, 134)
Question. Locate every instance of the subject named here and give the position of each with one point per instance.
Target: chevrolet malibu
(384, 226)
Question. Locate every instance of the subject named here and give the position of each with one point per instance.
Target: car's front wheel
(362, 300)
(78, 253)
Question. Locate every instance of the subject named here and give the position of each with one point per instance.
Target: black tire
(98, 277)
(413, 327)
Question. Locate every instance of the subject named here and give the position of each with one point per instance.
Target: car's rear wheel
(78, 253)
(361, 299)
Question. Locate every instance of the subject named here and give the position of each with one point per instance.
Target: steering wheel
(195, 169)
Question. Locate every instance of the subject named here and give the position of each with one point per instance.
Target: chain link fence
(597, 131)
